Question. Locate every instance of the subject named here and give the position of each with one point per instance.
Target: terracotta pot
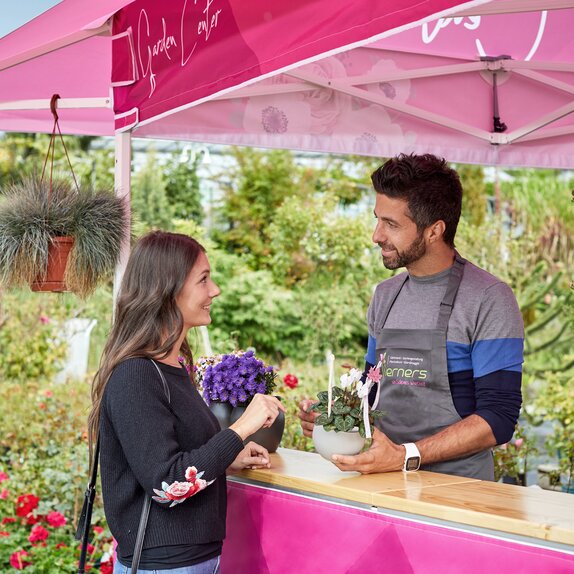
(328, 443)
(222, 412)
(58, 252)
(269, 438)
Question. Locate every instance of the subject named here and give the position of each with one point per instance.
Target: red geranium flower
(8, 520)
(26, 504)
(4, 494)
(3, 477)
(107, 567)
(18, 561)
(98, 529)
(55, 519)
(290, 380)
(4, 533)
(38, 534)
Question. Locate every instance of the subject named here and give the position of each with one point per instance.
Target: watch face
(413, 463)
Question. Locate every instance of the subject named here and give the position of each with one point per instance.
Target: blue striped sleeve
(371, 356)
(490, 355)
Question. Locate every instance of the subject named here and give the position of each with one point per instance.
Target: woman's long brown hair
(147, 320)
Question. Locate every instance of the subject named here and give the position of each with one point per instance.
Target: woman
(153, 439)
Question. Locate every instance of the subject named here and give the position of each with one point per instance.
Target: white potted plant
(345, 417)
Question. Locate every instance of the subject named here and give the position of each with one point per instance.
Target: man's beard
(413, 253)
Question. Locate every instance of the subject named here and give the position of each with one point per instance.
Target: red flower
(61, 545)
(4, 533)
(290, 380)
(98, 529)
(26, 504)
(4, 494)
(3, 477)
(91, 549)
(38, 534)
(55, 519)
(8, 520)
(42, 406)
(107, 567)
(17, 560)
(33, 519)
(181, 490)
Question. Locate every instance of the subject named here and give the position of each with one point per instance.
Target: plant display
(43, 473)
(235, 377)
(511, 459)
(33, 213)
(342, 408)
(37, 538)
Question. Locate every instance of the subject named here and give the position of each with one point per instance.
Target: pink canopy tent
(365, 77)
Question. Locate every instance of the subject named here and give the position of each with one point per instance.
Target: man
(450, 334)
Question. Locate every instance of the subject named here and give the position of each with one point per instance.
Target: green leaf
(348, 423)
(323, 419)
(356, 412)
(339, 422)
(362, 430)
(323, 396)
(339, 408)
(337, 392)
(329, 427)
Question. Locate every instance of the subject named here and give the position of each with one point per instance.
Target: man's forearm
(472, 434)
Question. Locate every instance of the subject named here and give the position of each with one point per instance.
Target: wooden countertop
(528, 512)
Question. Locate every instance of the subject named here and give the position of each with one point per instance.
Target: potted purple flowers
(230, 381)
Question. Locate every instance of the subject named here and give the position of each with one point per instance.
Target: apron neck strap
(447, 303)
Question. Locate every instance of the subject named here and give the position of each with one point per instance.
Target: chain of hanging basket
(52, 146)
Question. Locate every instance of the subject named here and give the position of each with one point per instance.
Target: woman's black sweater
(146, 439)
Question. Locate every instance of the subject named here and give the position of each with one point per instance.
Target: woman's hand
(261, 413)
(252, 456)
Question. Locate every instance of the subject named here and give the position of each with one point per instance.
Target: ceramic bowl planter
(269, 438)
(328, 443)
(222, 412)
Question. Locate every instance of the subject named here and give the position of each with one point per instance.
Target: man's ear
(435, 231)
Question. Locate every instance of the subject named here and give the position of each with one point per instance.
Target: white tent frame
(531, 70)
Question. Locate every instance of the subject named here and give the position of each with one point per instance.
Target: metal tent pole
(123, 155)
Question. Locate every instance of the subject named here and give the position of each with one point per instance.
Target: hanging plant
(58, 236)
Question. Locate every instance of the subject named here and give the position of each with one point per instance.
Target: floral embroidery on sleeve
(177, 492)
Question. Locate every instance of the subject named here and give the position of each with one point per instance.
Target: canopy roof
(326, 75)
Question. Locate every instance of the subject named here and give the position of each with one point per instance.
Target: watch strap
(412, 457)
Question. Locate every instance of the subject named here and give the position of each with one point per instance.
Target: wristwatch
(412, 456)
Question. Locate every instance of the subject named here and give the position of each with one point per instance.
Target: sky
(14, 13)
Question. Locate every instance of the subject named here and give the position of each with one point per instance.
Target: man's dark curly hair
(430, 187)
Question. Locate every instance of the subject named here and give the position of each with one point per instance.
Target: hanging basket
(53, 280)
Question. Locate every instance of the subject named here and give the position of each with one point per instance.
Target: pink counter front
(305, 516)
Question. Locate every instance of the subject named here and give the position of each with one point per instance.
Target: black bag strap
(85, 521)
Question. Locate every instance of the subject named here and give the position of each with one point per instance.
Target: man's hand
(307, 419)
(383, 456)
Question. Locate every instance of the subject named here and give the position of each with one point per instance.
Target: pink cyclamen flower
(374, 375)
(55, 519)
(4, 494)
(518, 442)
(44, 319)
(38, 534)
(3, 477)
(18, 561)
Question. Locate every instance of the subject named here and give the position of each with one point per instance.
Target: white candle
(331, 364)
